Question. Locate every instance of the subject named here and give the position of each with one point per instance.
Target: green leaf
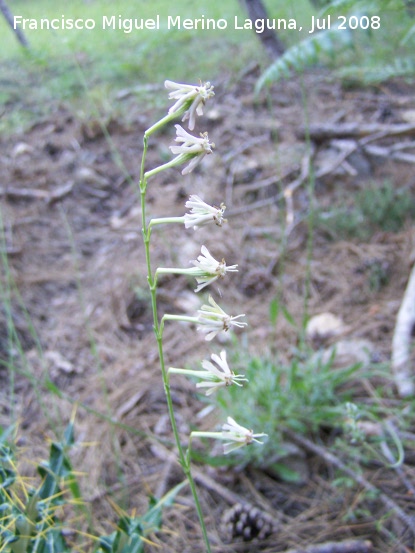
(286, 474)
(69, 434)
(305, 54)
(288, 316)
(106, 543)
(135, 545)
(49, 385)
(274, 309)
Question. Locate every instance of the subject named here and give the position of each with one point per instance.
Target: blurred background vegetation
(61, 65)
(108, 71)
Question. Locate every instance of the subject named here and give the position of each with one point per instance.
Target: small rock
(214, 115)
(59, 363)
(349, 352)
(85, 175)
(408, 115)
(22, 148)
(324, 326)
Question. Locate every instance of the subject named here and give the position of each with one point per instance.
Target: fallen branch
(10, 250)
(389, 153)
(321, 133)
(405, 323)
(60, 192)
(348, 546)
(287, 192)
(38, 194)
(212, 485)
(246, 145)
(389, 503)
(23, 193)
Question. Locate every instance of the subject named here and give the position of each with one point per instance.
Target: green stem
(189, 372)
(185, 318)
(169, 117)
(158, 330)
(160, 168)
(143, 182)
(213, 435)
(175, 162)
(165, 220)
(189, 271)
(310, 218)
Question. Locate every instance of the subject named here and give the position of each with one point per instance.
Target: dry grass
(79, 267)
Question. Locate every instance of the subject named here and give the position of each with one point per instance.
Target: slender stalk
(214, 435)
(192, 271)
(169, 117)
(189, 372)
(180, 159)
(158, 330)
(165, 220)
(160, 168)
(310, 218)
(185, 318)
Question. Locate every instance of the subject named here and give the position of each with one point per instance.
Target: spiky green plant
(368, 42)
(312, 50)
(29, 519)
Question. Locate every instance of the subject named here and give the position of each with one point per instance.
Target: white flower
(202, 213)
(212, 320)
(190, 97)
(192, 148)
(238, 435)
(209, 269)
(215, 377)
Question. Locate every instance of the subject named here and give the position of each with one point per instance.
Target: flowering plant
(211, 319)
(202, 214)
(189, 97)
(207, 269)
(213, 376)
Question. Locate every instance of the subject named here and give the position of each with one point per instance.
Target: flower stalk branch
(158, 330)
(164, 121)
(206, 269)
(214, 376)
(165, 221)
(233, 433)
(210, 319)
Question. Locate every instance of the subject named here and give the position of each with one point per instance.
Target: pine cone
(247, 522)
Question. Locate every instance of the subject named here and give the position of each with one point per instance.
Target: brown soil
(72, 234)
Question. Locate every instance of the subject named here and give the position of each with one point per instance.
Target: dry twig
(24, 193)
(348, 546)
(389, 503)
(246, 145)
(320, 133)
(38, 194)
(288, 190)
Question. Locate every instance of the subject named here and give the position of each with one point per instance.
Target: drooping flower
(202, 214)
(213, 376)
(192, 149)
(218, 376)
(238, 436)
(212, 319)
(209, 269)
(192, 98)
